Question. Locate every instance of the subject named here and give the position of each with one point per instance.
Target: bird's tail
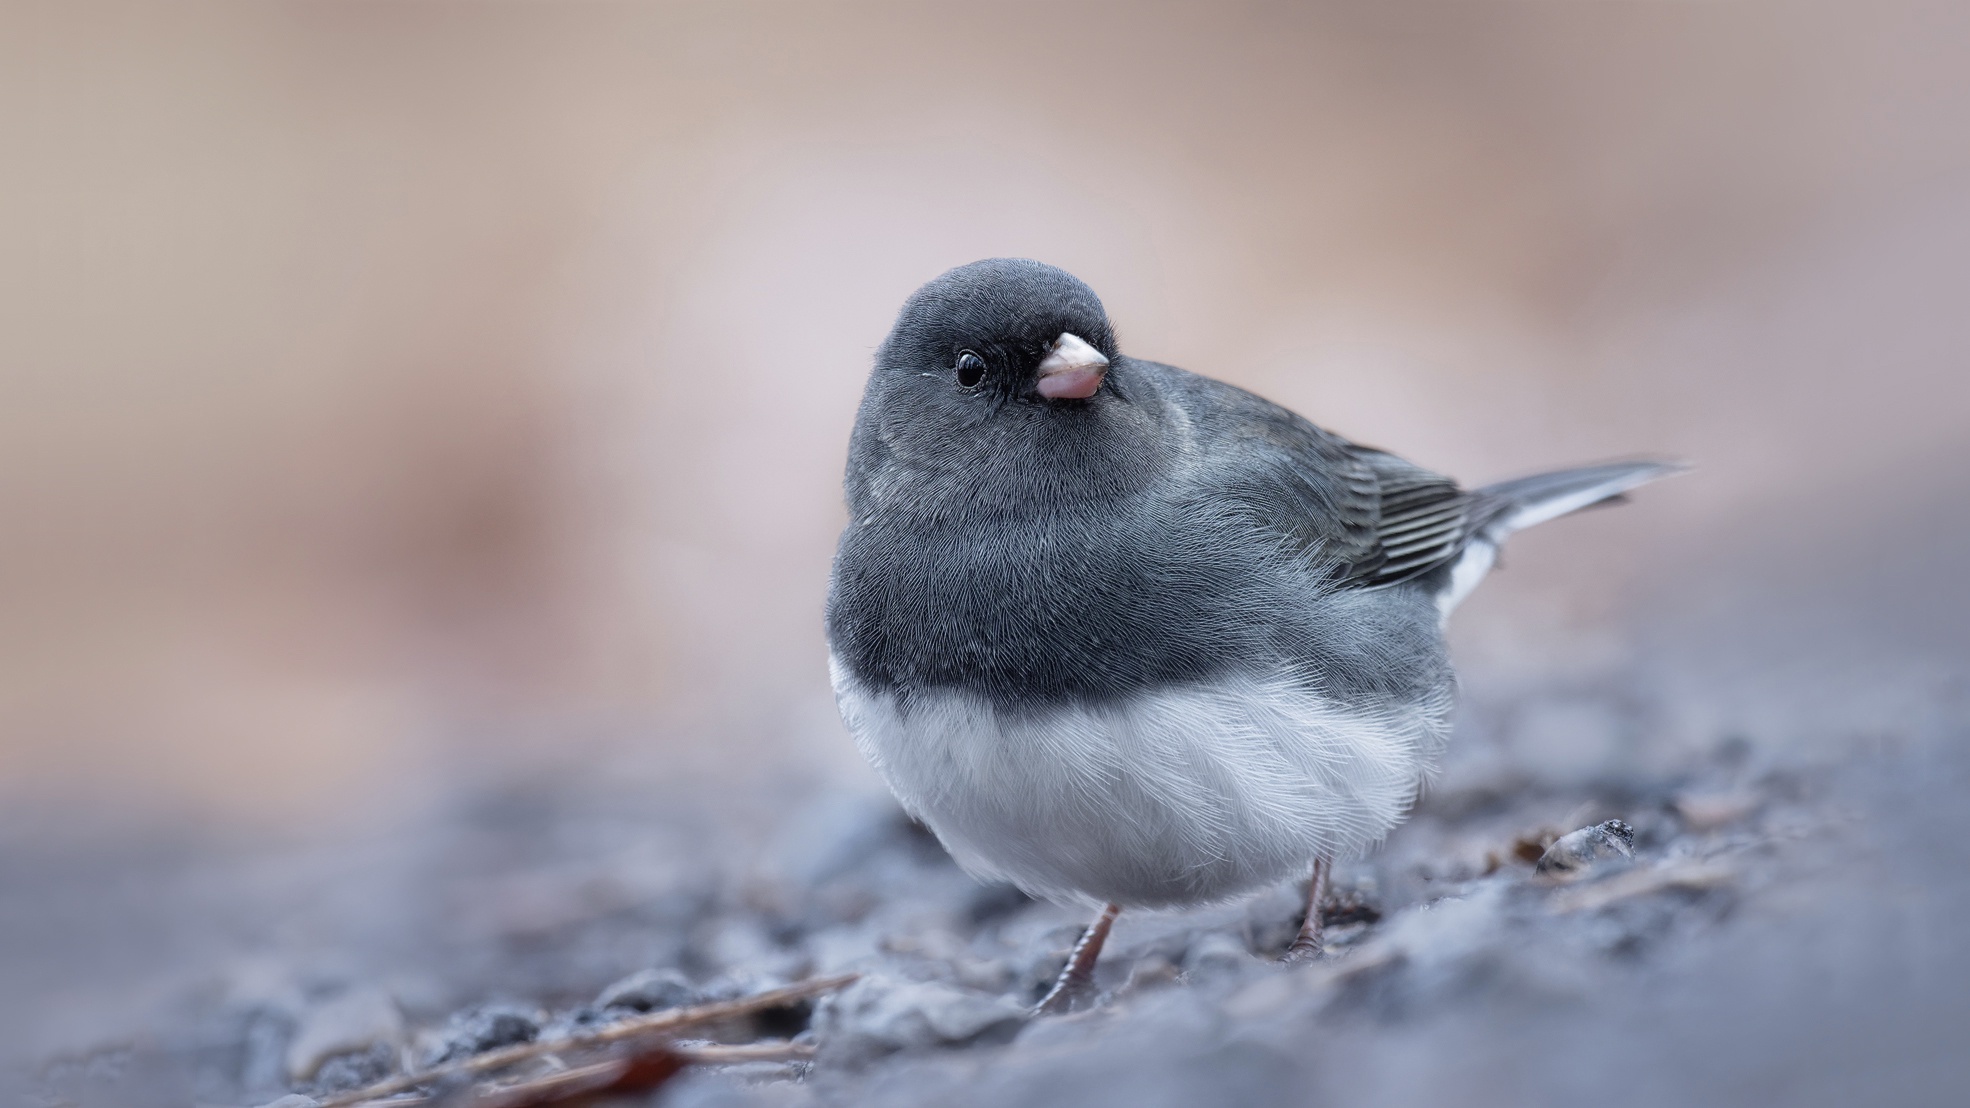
(1498, 510)
(1508, 506)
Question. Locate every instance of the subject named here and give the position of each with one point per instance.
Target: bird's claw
(1069, 994)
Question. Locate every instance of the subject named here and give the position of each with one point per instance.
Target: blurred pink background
(391, 384)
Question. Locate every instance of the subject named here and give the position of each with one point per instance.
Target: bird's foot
(1301, 951)
(1312, 937)
(1074, 988)
(1067, 995)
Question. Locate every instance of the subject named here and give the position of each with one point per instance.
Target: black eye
(971, 369)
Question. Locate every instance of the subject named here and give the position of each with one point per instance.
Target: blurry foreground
(1779, 936)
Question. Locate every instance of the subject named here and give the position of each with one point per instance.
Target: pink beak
(1072, 370)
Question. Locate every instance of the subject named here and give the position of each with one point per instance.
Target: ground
(1785, 932)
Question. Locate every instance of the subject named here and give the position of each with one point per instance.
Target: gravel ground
(1775, 934)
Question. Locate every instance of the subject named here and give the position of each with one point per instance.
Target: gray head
(1002, 377)
(1004, 330)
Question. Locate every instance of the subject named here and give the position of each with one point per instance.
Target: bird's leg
(1308, 943)
(1077, 976)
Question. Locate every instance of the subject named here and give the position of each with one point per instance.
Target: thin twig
(653, 1024)
(637, 1073)
(566, 1085)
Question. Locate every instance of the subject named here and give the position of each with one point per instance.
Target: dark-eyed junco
(1125, 635)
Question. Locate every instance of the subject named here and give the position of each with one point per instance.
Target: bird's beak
(1072, 370)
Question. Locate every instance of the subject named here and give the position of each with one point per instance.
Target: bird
(1127, 636)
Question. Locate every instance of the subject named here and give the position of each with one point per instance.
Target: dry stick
(633, 1074)
(584, 1081)
(646, 1025)
(599, 1077)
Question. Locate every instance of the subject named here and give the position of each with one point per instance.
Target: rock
(574, 1021)
(1589, 846)
(356, 1069)
(354, 1021)
(1451, 931)
(1152, 971)
(1215, 953)
(988, 975)
(878, 1016)
(487, 1027)
(1350, 906)
(737, 983)
(650, 990)
(292, 1100)
(781, 1022)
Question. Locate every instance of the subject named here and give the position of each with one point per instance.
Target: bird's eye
(971, 369)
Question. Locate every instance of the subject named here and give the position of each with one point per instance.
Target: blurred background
(399, 389)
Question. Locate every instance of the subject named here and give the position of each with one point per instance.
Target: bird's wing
(1421, 519)
(1376, 518)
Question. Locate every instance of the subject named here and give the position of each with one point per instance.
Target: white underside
(1182, 796)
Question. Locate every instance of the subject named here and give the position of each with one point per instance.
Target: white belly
(1178, 797)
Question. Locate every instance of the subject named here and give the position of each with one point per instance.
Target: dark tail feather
(1508, 506)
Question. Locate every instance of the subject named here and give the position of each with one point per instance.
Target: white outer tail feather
(1535, 506)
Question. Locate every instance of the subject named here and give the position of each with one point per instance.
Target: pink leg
(1077, 976)
(1308, 944)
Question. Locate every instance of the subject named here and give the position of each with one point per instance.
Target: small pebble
(351, 1022)
(1347, 906)
(487, 1027)
(1153, 971)
(1215, 953)
(650, 990)
(1589, 846)
(879, 1015)
(354, 1069)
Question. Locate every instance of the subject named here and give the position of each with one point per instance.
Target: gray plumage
(1160, 645)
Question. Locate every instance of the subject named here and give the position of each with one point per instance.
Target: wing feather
(1422, 521)
(1377, 519)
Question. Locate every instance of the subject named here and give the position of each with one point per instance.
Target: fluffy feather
(1178, 796)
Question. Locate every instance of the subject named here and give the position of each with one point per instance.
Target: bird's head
(997, 332)
(1001, 379)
